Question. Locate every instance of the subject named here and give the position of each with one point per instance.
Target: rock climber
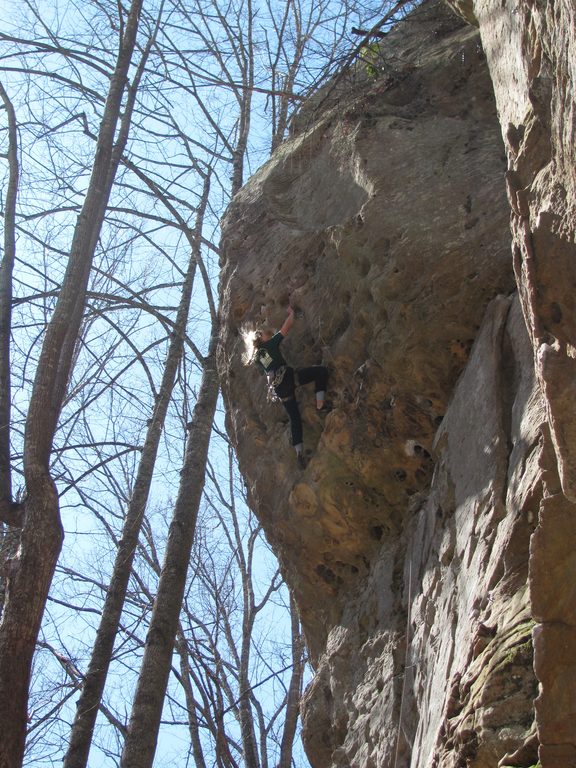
(283, 379)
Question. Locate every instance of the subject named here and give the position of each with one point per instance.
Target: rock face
(531, 54)
(412, 539)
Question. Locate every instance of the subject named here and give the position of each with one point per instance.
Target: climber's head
(261, 337)
(253, 340)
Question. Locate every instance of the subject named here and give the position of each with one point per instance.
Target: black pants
(286, 391)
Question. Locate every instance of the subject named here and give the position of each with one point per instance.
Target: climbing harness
(272, 397)
(275, 378)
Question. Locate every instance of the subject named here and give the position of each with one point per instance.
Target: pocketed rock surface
(408, 541)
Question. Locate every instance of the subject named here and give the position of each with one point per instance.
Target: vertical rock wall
(531, 53)
(431, 665)
(407, 538)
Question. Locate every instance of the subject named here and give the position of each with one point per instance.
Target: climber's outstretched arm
(285, 330)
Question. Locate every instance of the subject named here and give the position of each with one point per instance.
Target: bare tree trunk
(9, 512)
(283, 88)
(245, 101)
(193, 724)
(31, 572)
(240, 149)
(9, 539)
(294, 691)
(140, 744)
(249, 744)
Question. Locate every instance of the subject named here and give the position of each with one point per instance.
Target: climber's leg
(286, 391)
(291, 406)
(319, 375)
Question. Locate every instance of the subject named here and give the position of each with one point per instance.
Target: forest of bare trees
(142, 614)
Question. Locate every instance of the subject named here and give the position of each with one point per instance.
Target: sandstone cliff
(427, 539)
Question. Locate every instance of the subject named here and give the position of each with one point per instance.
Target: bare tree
(242, 680)
(93, 687)
(30, 574)
(294, 691)
(9, 511)
(211, 636)
(140, 744)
